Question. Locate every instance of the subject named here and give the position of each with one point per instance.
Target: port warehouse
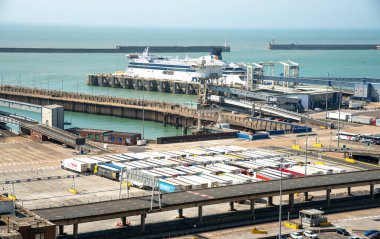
(107, 136)
(198, 168)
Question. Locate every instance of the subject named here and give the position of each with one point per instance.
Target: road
(173, 201)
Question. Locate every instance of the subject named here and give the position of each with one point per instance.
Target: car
(310, 234)
(296, 235)
(282, 237)
(375, 235)
(342, 231)
(369, 232)
(356, 237)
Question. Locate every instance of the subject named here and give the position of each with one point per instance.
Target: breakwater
(324, 46)
(165, 113)
(118, 49)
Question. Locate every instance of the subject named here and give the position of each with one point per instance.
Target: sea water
(69, 71)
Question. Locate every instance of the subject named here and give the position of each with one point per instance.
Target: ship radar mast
(146, 52)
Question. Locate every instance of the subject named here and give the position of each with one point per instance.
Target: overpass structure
(20, 105)
(43, 131)
(198, 198)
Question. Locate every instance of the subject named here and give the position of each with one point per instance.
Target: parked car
(375, 235)
(356, 237)
(310, 234)
(369, 232)
(342, 231)
(282, 237)
(296, 235)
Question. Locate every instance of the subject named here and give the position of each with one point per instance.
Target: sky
(277, 14)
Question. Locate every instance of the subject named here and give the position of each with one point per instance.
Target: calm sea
(69, 71)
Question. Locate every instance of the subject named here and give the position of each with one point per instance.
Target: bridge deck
(172, 201)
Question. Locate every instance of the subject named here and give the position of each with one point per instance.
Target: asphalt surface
(207, 195)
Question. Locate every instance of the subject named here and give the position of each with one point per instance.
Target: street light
(280, 209)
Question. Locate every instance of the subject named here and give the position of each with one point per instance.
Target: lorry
(342, 115)
(74, 165)
(355, 105)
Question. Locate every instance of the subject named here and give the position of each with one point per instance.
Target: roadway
(197, 198)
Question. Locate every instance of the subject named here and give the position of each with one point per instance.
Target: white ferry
(147, 66)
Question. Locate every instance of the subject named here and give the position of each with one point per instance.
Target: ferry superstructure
(187, 69)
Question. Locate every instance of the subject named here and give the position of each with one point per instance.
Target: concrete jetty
(117, 49)
(120, 81)
(165, 113)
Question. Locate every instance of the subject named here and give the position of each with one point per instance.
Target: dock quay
(323, 46)
(166, 113)
(148, 84)
(117, 49)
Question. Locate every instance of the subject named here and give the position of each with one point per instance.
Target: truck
(343, 116)
(73, 165)
(355, 105)
(361, 119)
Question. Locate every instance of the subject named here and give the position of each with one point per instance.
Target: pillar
(200, 214)
(306, 196)
(371, 191)
(180, 213)
(143, 216)
(291, 201)
(328, 197)
(252, 207)
(349, 191)
(75, 230)
(60, 229)
(270, 201)
(124, 221)
(232, 206)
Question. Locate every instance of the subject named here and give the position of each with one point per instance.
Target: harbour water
(69, 71)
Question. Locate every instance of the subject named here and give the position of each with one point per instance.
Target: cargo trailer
(108, 172)
(194, 185)
(169, 186)
(74, 165)
(362, 120)
(91, 163)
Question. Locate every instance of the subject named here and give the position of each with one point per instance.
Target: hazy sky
(196, 13)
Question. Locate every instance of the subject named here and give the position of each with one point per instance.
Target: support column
(143, 216)
(75, 230)
(349, 191)
(371, 191)
(200, 214)
(328, 197)
(252, 207)
(306, 196)
(180, 213)
(232, 206)
(60, 229)
(124, 221)
(291, 201)
(270, 201)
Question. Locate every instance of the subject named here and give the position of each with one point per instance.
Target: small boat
(67, 122)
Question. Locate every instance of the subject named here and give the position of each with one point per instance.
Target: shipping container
(74, 165)
(169, 186)
(343, 115)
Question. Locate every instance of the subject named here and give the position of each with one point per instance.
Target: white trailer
(74, 165)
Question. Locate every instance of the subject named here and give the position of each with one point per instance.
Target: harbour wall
(324, 47)
(165, 113)
(118, 49)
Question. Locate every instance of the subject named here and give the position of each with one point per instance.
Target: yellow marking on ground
(326, 160)
(359, 162)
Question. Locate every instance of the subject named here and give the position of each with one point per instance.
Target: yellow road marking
(326, 160)
(357, 161)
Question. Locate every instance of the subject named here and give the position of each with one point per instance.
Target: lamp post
(280, 208)
(143, 111)
(307, 133)
(340, 102)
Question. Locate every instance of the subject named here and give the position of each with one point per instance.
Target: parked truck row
(353, 118)
(194, 169)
